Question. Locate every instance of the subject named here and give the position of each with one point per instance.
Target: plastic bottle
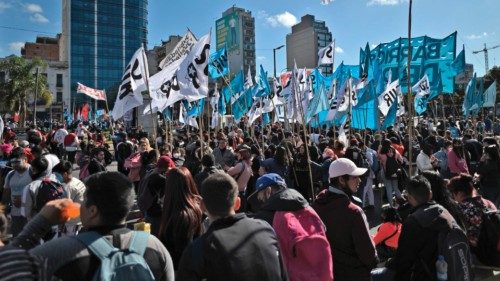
(441, 269)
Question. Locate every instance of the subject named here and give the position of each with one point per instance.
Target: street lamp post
(274, 57)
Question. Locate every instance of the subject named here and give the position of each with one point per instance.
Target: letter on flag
(218, 65)
(129, 94)
(93, 93)
(326, 54)
(181, 49)
(388, 97)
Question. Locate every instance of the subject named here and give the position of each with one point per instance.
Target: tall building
(303, 44)
(236, 31)
(99, 38)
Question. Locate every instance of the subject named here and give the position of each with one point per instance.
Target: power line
(25, 29)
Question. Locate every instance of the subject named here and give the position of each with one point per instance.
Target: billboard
(228, 32)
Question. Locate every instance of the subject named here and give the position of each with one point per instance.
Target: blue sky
(352, 23)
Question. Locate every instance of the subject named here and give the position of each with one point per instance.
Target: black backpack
(453, 244)
(49, 190)
(488, 244)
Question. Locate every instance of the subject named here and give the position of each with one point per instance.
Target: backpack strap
(390, 236)
(241, 172)
(97, 244)
(139, 242)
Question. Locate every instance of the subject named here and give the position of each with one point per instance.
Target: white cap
(344, 166)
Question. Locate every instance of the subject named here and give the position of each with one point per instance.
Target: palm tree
(20, 88)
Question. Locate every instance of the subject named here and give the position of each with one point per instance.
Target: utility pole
(486, 59)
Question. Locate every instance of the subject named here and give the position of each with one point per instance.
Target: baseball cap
(267, 180)
(165, 162)
(344, 166)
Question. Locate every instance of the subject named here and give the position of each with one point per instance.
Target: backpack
(118, 264)
(47, 191)
(453, 245)
(488, 244)
(304, 246)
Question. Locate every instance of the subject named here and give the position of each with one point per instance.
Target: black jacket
(418, 245)
(233, 248)
(201, 176)
(285, 200)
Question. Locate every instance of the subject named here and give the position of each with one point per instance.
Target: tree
(20, 88)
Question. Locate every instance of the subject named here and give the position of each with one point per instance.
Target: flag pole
(107, 110)
(153, 114)
(410, 107)
(304, 132)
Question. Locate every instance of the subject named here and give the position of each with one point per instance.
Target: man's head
(267, 185)
(345, 175)
(164, 163)
(38, 167)
(207, 160)
(64, 169)
(223, 143)
(419, 190)
(18, 159)
(107, 200)
(220, 195)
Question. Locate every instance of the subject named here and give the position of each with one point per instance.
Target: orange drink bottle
(72, 211)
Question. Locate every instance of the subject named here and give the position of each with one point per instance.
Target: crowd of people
(270, 203)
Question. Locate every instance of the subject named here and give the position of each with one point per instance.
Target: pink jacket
(456, 164)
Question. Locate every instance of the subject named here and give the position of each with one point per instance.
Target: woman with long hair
(181, 214)
(457, 158)
(489, 174)
(387, 236)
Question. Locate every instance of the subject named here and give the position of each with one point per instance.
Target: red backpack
(304, 246)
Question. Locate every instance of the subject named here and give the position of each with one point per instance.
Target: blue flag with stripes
(195, 108)
(235, 86)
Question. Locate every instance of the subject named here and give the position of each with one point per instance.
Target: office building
(236, 31)
(303, 44)
(158, 53)
(99, 38)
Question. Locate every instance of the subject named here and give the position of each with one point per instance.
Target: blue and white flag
(168, 113)
(218, 65)
(235, 87)
(264, 87)
(490, 95)
(422, 93)
(390, 118)
(195, 108)
(458, 65)
(388, 97)
(469, 96)
(365, 114)
(318, 103)
(326, 55)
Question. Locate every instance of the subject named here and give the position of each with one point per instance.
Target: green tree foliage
(22, 83)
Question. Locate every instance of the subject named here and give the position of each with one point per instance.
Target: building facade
(158, 53)
(44, 47)
(99, 38)
(303, 44)
(235, 30)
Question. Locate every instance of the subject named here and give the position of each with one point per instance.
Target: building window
(59, 97)
(59, 82)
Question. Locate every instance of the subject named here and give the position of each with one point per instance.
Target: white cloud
(16, 46)
(339, 50)
(38, 18)
(385, 2)
(4, 6)
(479, 36)
(261, 58)
(33, 8)
(285, 19)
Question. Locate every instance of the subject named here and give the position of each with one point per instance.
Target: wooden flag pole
(409, 96)
(153, 114)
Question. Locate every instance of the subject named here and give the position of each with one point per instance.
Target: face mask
(59, 177)
(176, 155)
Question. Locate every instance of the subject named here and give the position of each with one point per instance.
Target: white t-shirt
(17, 182)
(59, 135)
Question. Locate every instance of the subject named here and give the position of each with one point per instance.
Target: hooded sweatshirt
(285, 200)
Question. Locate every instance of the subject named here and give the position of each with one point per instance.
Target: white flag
(248, 80)
(277, 94)
(193, 71)
(133, 82)
(401, 104)
(2, 126)
(422, 85)
(163, 85)
(335, 101)
(180, 50)
(186, 120)
(387, 98)
(349, 96)
(214, 102)
(326, 54)
(254, 112)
